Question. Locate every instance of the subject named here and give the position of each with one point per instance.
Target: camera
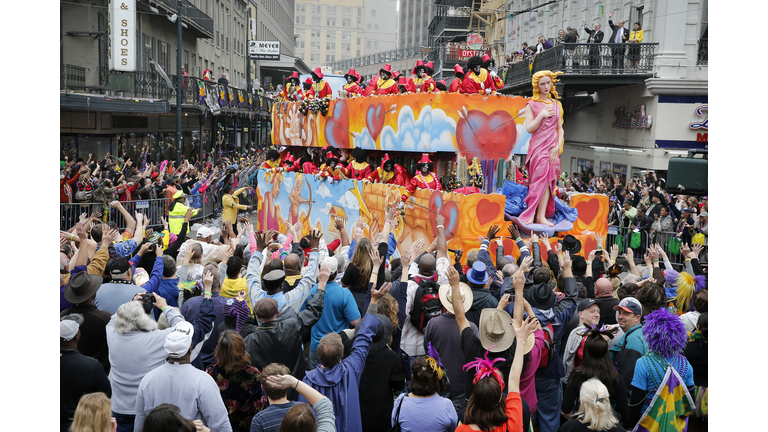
(147, 298)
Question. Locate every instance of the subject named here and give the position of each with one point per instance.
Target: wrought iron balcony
(72, 77)
(450, 20)
(582, 62)
(151, 85)
(197, 21)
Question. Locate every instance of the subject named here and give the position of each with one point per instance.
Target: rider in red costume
(320, 88)
(351, 87)
(489, 64)
(331, 168)
(386, 85)
(425, 178)
(456, 83)
(359, 168)
(477, 80)
(390, 173)
(292, 91)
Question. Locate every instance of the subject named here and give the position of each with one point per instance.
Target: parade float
(487, 127)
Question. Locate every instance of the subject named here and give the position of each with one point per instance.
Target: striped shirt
(269, 419)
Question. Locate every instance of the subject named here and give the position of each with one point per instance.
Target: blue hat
(477, 274)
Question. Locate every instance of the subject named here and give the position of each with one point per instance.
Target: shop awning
(286, 64)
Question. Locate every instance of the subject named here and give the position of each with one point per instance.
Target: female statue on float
(544, 121)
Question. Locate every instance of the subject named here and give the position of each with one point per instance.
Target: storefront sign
(701, 124)
(626, 120)
(264, 50)
(619, 169)
(464, 51)
(122, 35)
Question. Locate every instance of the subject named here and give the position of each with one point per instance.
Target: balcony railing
(587, 59)
(192, 15)
(150, 85)
(72, 76)
(701, 57)
(375, 58)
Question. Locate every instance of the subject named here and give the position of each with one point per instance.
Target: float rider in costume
(307, 86)
(272, 162)
(421, 82)
(351, 88)
(386, 85)
(320, 88)
(305, 166)
(489, 64)
(390, 173)
(425, 178)
(292, 91)
(477, 80)
(331, 168)
(455, 86)
(475, 174)
(177, 212)
(358, 168)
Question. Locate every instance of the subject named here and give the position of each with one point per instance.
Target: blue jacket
(340, 383)
(203, 324)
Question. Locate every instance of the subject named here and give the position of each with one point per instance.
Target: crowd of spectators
(245, 330)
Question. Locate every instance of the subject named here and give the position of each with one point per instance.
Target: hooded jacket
(340, 383)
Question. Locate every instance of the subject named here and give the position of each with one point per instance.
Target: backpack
(426, 303)
(550, 349)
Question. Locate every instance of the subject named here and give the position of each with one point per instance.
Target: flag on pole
(670, 406)
(602, 11)
(162, 73)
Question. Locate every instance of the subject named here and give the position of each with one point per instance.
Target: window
(373, 12)
(369, 26)
(328, 34)
(315, 57)
(301, 45)
(330, 57)
(375, 44)
(375, 26)
(368, 44)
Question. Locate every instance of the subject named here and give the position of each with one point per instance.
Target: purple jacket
(340, 383)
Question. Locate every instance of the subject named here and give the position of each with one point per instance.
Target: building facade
(414, 18)
(105, 110)
(336, 30)
(622, 116)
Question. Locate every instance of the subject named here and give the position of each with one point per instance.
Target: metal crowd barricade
(155, 209)
(622, 237)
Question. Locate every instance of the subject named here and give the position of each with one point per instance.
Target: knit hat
(664, 332)
(237, 308)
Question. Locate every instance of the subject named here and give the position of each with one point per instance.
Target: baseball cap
(587, 302)
(118, 266)
(629, 304)
(179, 340)
(68, 328)
(204, 232)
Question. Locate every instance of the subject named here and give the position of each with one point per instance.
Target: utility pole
(248, 86)
(178, 84)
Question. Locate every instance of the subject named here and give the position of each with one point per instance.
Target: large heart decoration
(477, 135)
(375, 120)
(449, 210)
(588, 209)
(336, 136)
(487, 211)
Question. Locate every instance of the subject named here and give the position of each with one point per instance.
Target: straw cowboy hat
(445, 296)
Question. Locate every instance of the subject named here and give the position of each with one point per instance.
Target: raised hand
(513, 232)
(525, 265)
(694, 254)
(314, 239)
(453, 277)
(417, 247)
(324, 274)
(377, 294)
(375, 258)
(492, 232)
(504, 301)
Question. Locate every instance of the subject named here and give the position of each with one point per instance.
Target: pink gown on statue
(542, 173)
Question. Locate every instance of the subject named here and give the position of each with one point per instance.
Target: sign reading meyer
(122, 35)
(264, 50)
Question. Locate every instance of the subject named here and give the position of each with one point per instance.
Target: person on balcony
(386, 85)
(619, 36)
(223, 80)
(477, 80)
(320, 89)
(571, 38)
(635, 37)
(292, 91)
(595, 37)
(458, 71)
(489, 64)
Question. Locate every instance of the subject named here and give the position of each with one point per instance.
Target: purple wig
(664, 332)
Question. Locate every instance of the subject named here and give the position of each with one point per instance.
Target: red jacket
(498, 84)
(423, 85)
(287, 93)
(307, 167)
(398, 176)
(473, 84)
(326, 171)
(66, 194)
(429, 182)
(353, 89)
(124, 193)
(319, 90)
(455, 86)
(386, 87)
(358, 171)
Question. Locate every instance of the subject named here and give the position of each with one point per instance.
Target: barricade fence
(207, 205)
(668, 241)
